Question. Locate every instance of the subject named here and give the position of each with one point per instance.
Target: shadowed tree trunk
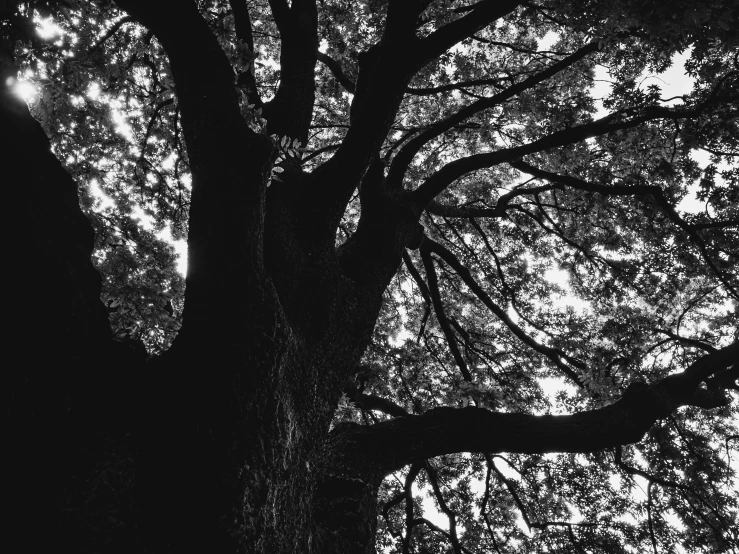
(223, 443)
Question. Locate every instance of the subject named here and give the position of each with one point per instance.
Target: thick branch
(394, 444)
(290, 111)
(210, 108)
(483, 14)
(281, 14)
(382, 78)
(229, 163)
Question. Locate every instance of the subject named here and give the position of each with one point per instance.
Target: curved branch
(372, 402)
(337, 72)
(451, 516)
(110, 32)
(388, 446)
(433, 288)
(444, 177)
(228, 186)
(687, 341)
(554, 354)
(652, 190)
(406, 154)
(210, 107)
(499, 210)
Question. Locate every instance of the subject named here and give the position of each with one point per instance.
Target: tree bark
(223, 444)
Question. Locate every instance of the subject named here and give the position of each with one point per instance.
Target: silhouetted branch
(337, 72)
(654, 191)
(554, 354)
(690, 342)
(404, 157)
(433, 285)
(390, 445)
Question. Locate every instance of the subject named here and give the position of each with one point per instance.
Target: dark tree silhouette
(442, 294)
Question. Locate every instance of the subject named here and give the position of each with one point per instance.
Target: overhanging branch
(404, 157)
(337, 71)
(482, 14)
(556, 356)
(440, 180)
(499, 210)
(388, 446)
(651, 190)
(441, 317)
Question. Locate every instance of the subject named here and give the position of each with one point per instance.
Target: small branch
(649, 517)
(436, 528)
(441, 179)
(451, 516)
(433, 285)
(554, 354)
(407, 153)
(409, 519)
(509, 485)
(428, 91)
(337, 72)
(690, 342)
(499, 210)
(417, 277)
(618, 458)
(110, 32)
(652, 190)
(320, 151)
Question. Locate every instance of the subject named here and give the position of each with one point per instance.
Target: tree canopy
(468, 252)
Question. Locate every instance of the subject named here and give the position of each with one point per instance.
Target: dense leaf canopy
(581, 235)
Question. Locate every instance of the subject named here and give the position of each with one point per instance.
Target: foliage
(585, 272)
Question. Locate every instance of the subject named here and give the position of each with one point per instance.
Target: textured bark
(222, 444)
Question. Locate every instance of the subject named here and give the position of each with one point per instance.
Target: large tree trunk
(217, 446)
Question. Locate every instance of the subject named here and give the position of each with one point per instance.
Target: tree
(423, 259)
